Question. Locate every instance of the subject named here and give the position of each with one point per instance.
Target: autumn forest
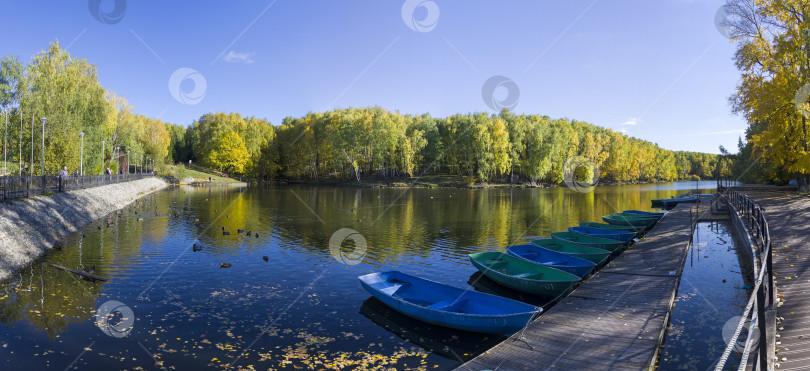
(351, 145)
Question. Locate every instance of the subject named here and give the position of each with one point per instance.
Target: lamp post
(21, 127)
(127, 162)
(43, 119)
(43, 148)
(31, 164)
(102, 157)
(5, 144)
(135, 161)
(81, 155)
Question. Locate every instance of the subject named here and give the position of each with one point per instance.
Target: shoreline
(30, 227)
(448, 183)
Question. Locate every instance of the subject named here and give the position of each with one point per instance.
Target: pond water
(174, 307)
(714, 290)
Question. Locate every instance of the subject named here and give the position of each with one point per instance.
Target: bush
(693, 177)
(166, 170)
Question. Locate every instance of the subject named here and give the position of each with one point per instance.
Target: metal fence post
(769, 262)
(763, 338)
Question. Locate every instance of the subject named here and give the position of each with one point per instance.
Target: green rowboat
(624, 228)
(637, 216)
(576, 239)
(633, 222)
(639, 212)
(598, 256)
(522, 275)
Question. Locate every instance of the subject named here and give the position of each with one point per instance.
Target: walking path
(788, 215)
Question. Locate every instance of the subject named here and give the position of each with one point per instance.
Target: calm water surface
(714, 290)
(301, 308)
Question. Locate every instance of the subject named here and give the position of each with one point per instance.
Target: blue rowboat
(639, 212)
(448, 306)
(523, 275)
(564, 262)
(604, 233)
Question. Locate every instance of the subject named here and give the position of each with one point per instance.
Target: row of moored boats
(549, 267)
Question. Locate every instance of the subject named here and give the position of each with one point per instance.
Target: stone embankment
(30, 227)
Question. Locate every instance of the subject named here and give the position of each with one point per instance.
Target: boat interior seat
(450, 305)
(391, 290)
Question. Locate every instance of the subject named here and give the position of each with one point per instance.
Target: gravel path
(30, 227)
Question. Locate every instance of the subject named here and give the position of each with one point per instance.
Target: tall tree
(773, 55)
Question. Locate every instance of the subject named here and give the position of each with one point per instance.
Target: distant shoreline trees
(349, 145)
(357, 144)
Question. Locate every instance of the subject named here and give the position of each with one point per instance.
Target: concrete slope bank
(30, 227)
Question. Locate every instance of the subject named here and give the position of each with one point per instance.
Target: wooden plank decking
(788, 216)
(615, 320)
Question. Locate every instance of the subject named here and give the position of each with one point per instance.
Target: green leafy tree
(228, 154)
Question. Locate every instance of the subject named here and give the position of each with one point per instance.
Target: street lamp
(43, 150)
(5, 144)
(21, 127)
(102, 157)
(81, 156)
(127, 162)
(135, 162)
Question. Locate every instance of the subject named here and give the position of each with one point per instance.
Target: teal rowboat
(633, 222)
(671, 202)
(522, 275)
(639, 212)
(576, 239)
(623, 228)
(598, 256)
(636, 216)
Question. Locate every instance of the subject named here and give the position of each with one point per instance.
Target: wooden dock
(788, 215)
(615, 320)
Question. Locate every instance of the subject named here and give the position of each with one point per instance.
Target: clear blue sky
(658, 70)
